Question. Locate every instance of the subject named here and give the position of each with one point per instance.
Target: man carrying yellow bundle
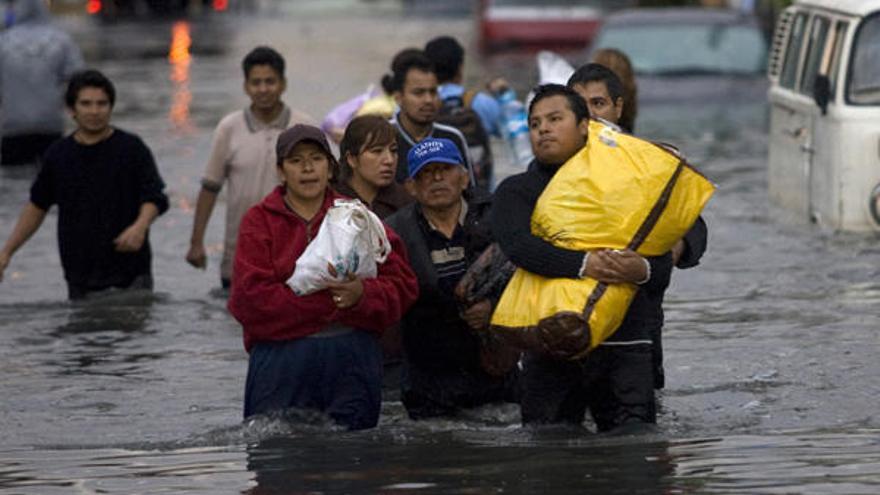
(616, 380)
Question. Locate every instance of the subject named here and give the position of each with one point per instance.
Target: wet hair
(447, 54)
(263, 55)
(398, 60)
(88, 78)
(364, 132)
(588, 73)
(414, 60)
(575, 103)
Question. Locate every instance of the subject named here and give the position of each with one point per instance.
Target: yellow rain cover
(618, 192)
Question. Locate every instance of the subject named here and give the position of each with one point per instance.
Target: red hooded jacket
(270, 240)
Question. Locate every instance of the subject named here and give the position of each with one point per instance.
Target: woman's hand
(346, 294)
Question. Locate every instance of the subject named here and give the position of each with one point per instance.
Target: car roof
(857, 7)
(677, 15)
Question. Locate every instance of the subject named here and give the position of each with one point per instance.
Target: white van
(824, 70)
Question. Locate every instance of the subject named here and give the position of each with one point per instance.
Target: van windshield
(864, 81)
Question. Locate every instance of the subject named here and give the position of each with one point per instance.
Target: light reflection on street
(179, 57)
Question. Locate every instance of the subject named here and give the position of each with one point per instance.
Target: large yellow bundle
(618, 192)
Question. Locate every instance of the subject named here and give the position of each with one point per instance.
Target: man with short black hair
(415, 83)
(243, 155)
(108, 191)
(601, 89)
(445, 231)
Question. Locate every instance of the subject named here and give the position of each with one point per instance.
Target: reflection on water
(96, 338)
(179, 57)
(456, 461)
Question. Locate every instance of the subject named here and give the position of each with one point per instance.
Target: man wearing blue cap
(445, 230)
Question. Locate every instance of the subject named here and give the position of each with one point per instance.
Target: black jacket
(434, 335)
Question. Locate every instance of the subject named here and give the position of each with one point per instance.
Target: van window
(818, 35)
(793, 51)
(836, 52)
(864, 80)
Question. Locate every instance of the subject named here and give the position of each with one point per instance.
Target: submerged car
(547, 23)
(702, 68)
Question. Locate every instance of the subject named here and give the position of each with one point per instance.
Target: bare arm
(29, 221)
(204, 206)
(132, 238)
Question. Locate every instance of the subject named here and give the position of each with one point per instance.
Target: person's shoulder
(58, 150)
(126, 138)
(485, 99)
(513, 182)
(402, 217)
(300, 117)
(231, 120)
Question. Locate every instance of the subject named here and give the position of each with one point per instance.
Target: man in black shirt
(445, 230)
(615, 381)
(416, 85)
(108, 191)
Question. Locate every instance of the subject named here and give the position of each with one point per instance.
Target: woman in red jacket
(319, 351)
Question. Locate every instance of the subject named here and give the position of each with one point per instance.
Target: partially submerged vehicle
(824, 70)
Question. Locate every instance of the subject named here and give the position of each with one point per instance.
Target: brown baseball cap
(297, 134)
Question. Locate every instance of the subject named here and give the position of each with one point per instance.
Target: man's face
(92, 110)
(418, 98)
(438, 185)
(599, 101)
(264, 86)
(555, 133)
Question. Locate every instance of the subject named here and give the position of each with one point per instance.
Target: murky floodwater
(770, 344)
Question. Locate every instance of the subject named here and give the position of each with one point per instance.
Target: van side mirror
(822, 92)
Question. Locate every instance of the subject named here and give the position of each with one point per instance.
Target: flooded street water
(770, 344)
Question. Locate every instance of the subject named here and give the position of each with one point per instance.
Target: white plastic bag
(351, 241)
(552, 68)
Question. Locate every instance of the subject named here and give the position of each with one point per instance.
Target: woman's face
(305, 171)
(375, 164)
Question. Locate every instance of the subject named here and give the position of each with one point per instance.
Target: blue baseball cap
(432, 150)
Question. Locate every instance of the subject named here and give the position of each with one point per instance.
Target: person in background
(415, 83)
(447, 54)
(620, 64)
(316, 352)
(445, 231)
(368, 157)
(475, 113)
(384, 103)
(243, 155)
(615, 381)
(602, 91)
(36, 60)
(108, 191)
